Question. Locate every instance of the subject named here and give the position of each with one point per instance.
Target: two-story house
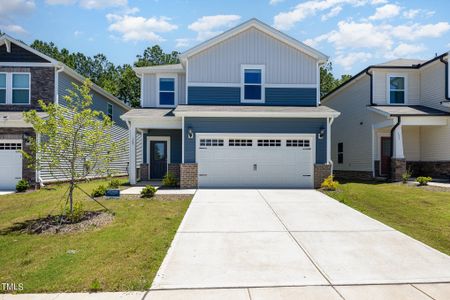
(241, 110)
(27, 76)
(395, 117)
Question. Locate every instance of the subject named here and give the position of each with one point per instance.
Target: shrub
(95, 286)
(99, 191)
(22, 185)
(114, 183)
(77, 213)
(423, 180)
(148, 191)
(169, 180)
(329, 184)
(406, 176)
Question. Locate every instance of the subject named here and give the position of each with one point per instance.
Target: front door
(385, 159)
(158, 159)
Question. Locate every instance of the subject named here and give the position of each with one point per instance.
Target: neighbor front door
(385, 159)
(158, 159)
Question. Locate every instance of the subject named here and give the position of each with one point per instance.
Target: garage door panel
(10, 164)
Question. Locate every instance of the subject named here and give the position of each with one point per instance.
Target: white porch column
(329, 122)
(398, 143)
(132, 165)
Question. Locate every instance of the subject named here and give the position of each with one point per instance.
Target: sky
(353, 33)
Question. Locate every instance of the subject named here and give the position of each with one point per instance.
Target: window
(397, 90)
(167, 91)
(240, 143)
(20, 88)
(252, 81)
(340, 153)
(297, 143)
(110, 111)
(211, 142)
(269, 143)
(2, 88)
(10, 146)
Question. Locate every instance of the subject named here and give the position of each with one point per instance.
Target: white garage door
(10, 164)
(265, 161)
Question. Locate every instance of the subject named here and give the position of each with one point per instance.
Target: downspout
(447, 92)
(59, 69)
(371, 87)
(399, 119)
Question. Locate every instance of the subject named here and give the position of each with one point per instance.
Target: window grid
(395, 91)
(2, 88)
(10, 146)
(18, 89)
(298, 143)
(269, 143)
(240, 143)
(211, 142)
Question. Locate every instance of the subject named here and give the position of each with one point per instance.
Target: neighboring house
(241, 110)
(394, 117)
(27, 76)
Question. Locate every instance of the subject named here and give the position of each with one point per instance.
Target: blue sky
(354, 33)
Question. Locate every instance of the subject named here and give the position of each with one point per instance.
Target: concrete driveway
(277, 244)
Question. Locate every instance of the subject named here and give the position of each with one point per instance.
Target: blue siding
(232, 96)
(175, 142)
(254, 125)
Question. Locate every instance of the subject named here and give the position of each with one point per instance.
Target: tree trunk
(72, 187)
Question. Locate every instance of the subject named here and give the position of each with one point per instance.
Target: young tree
(75, 140)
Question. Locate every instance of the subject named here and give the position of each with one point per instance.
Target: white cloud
(332, 13)
(385, 12)
(209, 26)
(406, 50)
(376, 2)
(60, 2)
(286, 20)
(411, 13)
(16, 7)
(416, 31)
(275, 2)
(182, 43)
(77, 33)
(349, 59)
(91, 4)
(133, 28)
(13, 29)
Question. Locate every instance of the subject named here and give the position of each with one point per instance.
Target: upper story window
(167, 91)
(252, 89)
(109, 111)
(396, 89)
(14, 88)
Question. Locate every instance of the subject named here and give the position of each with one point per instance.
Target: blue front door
(158, 159)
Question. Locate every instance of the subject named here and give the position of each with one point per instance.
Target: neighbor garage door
(10, 163)
(264, 161)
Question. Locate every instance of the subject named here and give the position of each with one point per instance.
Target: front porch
(411, 141)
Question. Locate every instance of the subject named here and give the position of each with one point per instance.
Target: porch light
(190, 133)
(321, 133)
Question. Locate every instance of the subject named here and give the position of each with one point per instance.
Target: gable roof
(402, 62)
(255, 23)
(7, 40)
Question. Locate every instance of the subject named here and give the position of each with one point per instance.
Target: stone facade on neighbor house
(257, 122)
(25, 69)
(395, 117)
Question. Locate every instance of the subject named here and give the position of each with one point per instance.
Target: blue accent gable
(255, 125)
(291, 96)
(214, 95)
(175, 143)
(206, 95)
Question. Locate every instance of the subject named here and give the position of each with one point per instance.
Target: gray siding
(232, 96)
(175, 143)
(253, 125)
(222, 62)
(432, 85)
(150, 90)
(18, 54)
(119, 129)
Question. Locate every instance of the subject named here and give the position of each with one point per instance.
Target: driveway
(294, 243)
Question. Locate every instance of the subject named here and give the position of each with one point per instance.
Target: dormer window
(167, 91)
(396, 89)
(252, 84)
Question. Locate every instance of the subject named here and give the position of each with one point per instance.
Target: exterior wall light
(190, 133)
(321, 133)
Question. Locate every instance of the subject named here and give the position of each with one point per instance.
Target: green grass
(123, 255)
(421, 213)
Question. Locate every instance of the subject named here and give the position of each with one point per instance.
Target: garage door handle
(306, 175)
(202, 174)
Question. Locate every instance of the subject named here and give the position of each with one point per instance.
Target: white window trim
(388, 88)
(263, 79)
(108, 105)
(175, 100)
(9, 88)
(6, 88)
(149, 149)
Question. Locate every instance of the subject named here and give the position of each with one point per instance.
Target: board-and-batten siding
(432, 85)
(119, 130)
(352, 103)
(254, 125)
(150, 89)
(222, 62)
(380, 87)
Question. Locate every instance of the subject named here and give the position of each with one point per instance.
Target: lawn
(123, 255)
(422, 213)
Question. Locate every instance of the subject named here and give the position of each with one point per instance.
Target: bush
(423, 180)
(329, 184)
(406, 176)
(169, 180)
(95, 286)
(22, 185)
(148, 191)
(114, 183)
(78, 212)
(99, 191)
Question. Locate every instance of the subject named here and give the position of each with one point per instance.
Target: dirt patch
(61, 224)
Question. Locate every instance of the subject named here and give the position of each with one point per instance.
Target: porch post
(398, 143)
(132, 165)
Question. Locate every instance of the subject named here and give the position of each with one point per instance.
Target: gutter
(399, 119)
(371, 87)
